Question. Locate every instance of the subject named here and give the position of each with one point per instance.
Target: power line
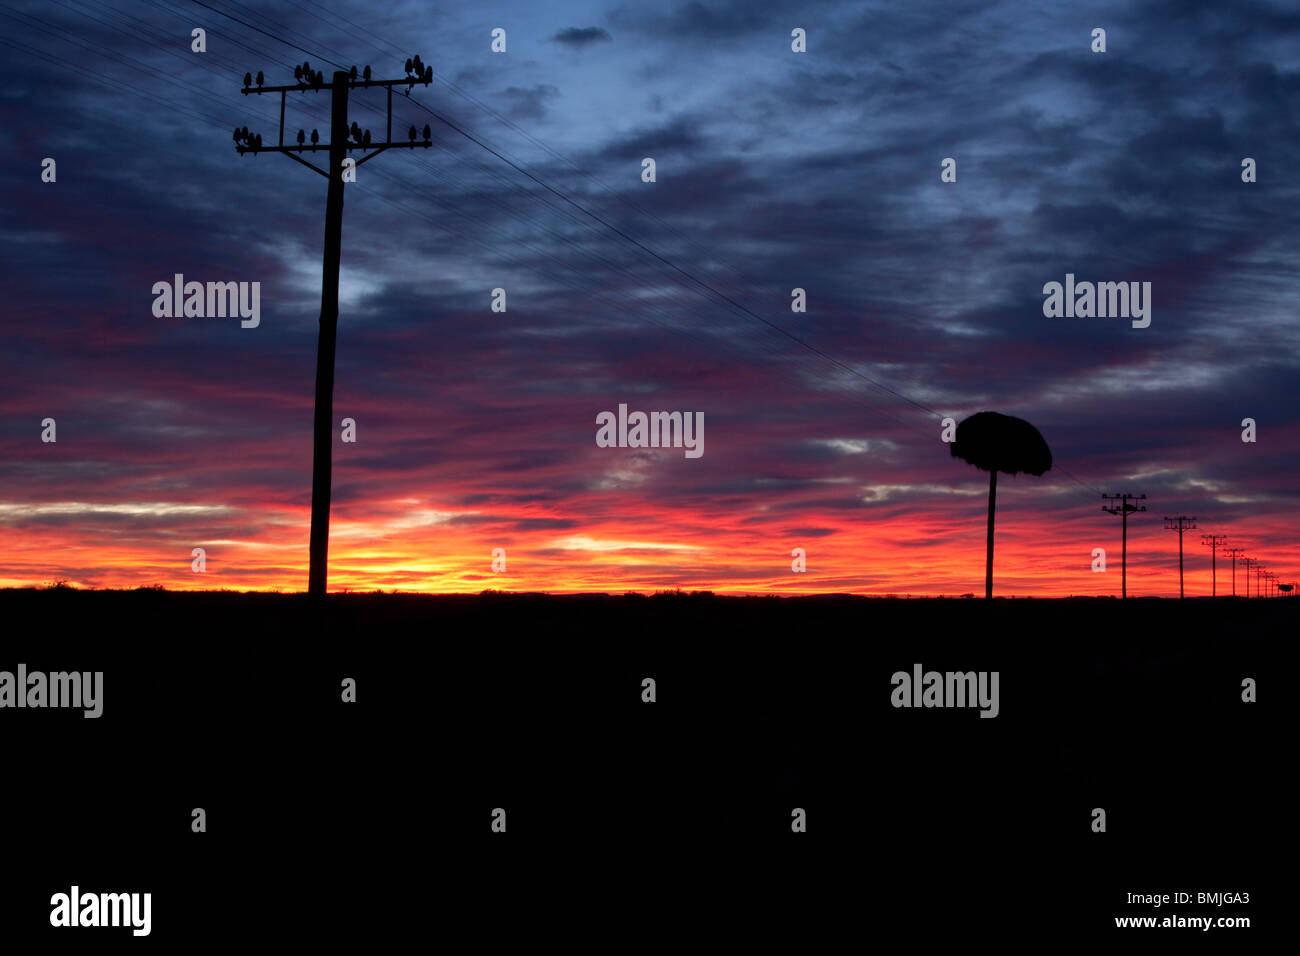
(703, 285)
(622, 234)
(252, 26)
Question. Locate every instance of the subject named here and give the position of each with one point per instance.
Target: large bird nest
(996, 442)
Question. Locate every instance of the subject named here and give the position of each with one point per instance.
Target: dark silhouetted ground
(379, 811)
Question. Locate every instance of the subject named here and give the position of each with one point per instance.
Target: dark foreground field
(370, 821)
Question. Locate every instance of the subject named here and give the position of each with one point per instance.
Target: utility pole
(1123, 509)
(339, 169)
(1248, 562)
(1212, 541)
(1234, 552)
(1179, 526)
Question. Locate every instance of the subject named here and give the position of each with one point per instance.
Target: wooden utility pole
(1234, 552)
(1180, 525)
(341, 170)
(1123, 509)
(1213, 541)
(988, 560)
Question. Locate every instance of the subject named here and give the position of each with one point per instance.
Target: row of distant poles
(344, 138)
(1123, 506)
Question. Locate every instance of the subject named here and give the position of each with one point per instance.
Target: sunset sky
(775, 170)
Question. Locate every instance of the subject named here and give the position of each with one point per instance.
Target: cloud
(529, 103)
(578, 37)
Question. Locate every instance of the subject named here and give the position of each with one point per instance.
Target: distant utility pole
(1212, 541)
(1248, 562)
(1123, 509)
(341, 170)
(1180, 524)
(1234, 552)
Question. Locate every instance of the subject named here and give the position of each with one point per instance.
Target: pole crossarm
(325, 148)
(409, 82)
(1125, 499)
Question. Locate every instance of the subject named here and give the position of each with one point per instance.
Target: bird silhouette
(260, 78)
(315, 137)
(297, 73)
(408, 65)
(428, 74)
(366, 73)
(428, 133)
(236, 134)
(302, 137)
(258, 140)
(353, 72)
(365, 140)
(248, 80)
(417, 67)
(412, 134)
